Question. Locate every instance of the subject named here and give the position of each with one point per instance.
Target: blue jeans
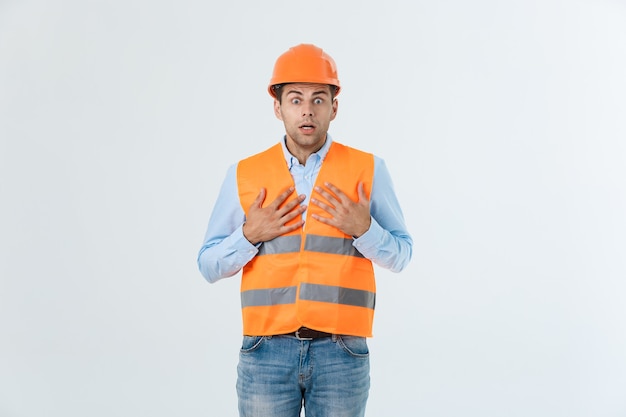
(277, 375)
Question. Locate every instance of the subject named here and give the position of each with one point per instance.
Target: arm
(387, 242)
(225, 250)
(377, 225)
(232, 239)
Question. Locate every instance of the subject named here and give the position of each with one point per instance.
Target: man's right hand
(266, 223)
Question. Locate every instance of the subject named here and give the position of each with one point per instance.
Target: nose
(307, 110)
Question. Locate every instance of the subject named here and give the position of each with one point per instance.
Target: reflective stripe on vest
(337, 295)
(310, 292)
(313, 243)
(281, 244)
(268, 297)
(336, 245)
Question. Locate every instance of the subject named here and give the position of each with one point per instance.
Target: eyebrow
(316, 93)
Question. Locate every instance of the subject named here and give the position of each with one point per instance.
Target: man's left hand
(352, 218)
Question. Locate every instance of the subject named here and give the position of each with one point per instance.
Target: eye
(318, 101)
(295, 101)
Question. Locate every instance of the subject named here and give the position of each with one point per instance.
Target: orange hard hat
(304, 63)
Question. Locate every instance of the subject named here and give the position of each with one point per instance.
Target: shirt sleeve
(225, 250)
(387, 243)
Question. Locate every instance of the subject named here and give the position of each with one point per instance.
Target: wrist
(365, 229)
(247, 235)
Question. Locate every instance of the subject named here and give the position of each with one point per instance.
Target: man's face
(306, 111)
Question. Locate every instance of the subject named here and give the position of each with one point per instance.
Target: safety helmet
(304, 63)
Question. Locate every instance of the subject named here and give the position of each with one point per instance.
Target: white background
(503, 125)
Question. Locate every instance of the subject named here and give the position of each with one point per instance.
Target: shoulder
(272, 151)
(346, 148)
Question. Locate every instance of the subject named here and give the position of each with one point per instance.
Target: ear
(335, 106)
(277, 113)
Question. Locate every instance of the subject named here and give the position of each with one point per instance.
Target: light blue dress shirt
(225, 250)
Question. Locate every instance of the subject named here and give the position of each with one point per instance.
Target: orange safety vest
(312, 277)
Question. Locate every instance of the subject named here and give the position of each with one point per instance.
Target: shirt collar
(320, 155)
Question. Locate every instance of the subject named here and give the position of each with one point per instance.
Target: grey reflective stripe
(337, 295)
(282, 244)
(268, 297)
(335, 245)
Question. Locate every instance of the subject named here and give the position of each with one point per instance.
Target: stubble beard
(310, 143)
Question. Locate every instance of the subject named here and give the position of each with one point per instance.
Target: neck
(302, 153)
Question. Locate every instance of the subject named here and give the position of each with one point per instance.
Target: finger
(327, 208)
(292, 214)
(282, 197)
(291, 205)
(361, 191)
(328, 196)
(337, 191)
(291, 227)
(322, 219)
(258, 201)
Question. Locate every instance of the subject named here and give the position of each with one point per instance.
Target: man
(305, 219)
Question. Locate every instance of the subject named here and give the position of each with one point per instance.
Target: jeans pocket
(354, 346)
(251, 343)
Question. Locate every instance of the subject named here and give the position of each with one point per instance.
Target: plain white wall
(503, 125)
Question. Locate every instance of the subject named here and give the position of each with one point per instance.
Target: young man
(305, 219)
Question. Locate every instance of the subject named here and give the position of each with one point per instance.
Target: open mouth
(307, 127)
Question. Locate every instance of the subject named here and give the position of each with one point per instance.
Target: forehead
(306, 88)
